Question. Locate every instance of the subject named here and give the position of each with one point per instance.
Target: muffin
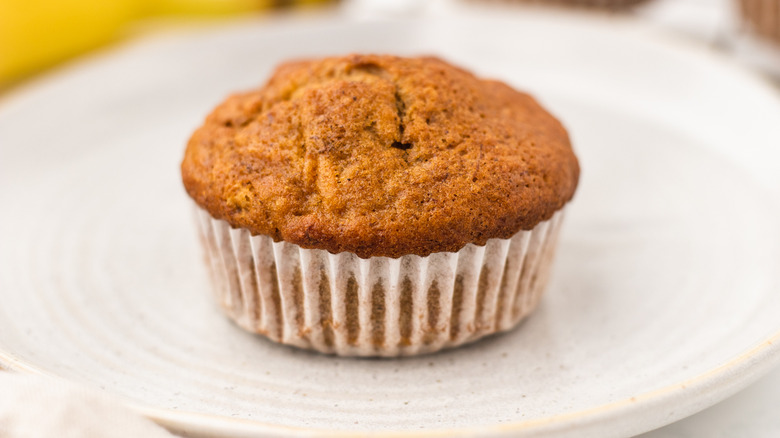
(762, 18)
(377, 205)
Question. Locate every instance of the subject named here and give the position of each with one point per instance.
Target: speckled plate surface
(665, 291)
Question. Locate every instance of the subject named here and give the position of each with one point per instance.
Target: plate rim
(179, 420)
(743, 368)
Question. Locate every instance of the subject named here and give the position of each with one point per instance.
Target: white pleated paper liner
(342, 304)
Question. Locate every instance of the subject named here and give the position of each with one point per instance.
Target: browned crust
(380, 156)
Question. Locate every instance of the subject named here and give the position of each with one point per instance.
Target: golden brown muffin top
(380, 156)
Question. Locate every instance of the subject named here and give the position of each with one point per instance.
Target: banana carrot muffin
(377, 205)
(762, 18)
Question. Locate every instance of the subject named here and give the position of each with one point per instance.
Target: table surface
(750, 413)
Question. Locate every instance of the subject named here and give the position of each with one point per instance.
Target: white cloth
(38, 407)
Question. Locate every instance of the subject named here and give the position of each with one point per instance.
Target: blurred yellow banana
(37, 33)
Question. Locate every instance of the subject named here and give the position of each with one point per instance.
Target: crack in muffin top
(380, 156)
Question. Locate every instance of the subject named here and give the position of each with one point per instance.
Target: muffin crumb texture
(380, 156)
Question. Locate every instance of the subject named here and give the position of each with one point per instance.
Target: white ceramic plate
(665, 293)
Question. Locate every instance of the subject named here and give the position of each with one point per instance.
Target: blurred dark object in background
(592, 4)
(762, 18)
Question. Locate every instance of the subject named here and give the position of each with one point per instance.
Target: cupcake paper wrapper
(342, 304)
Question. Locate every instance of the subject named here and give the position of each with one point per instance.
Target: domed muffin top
(380, 156)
